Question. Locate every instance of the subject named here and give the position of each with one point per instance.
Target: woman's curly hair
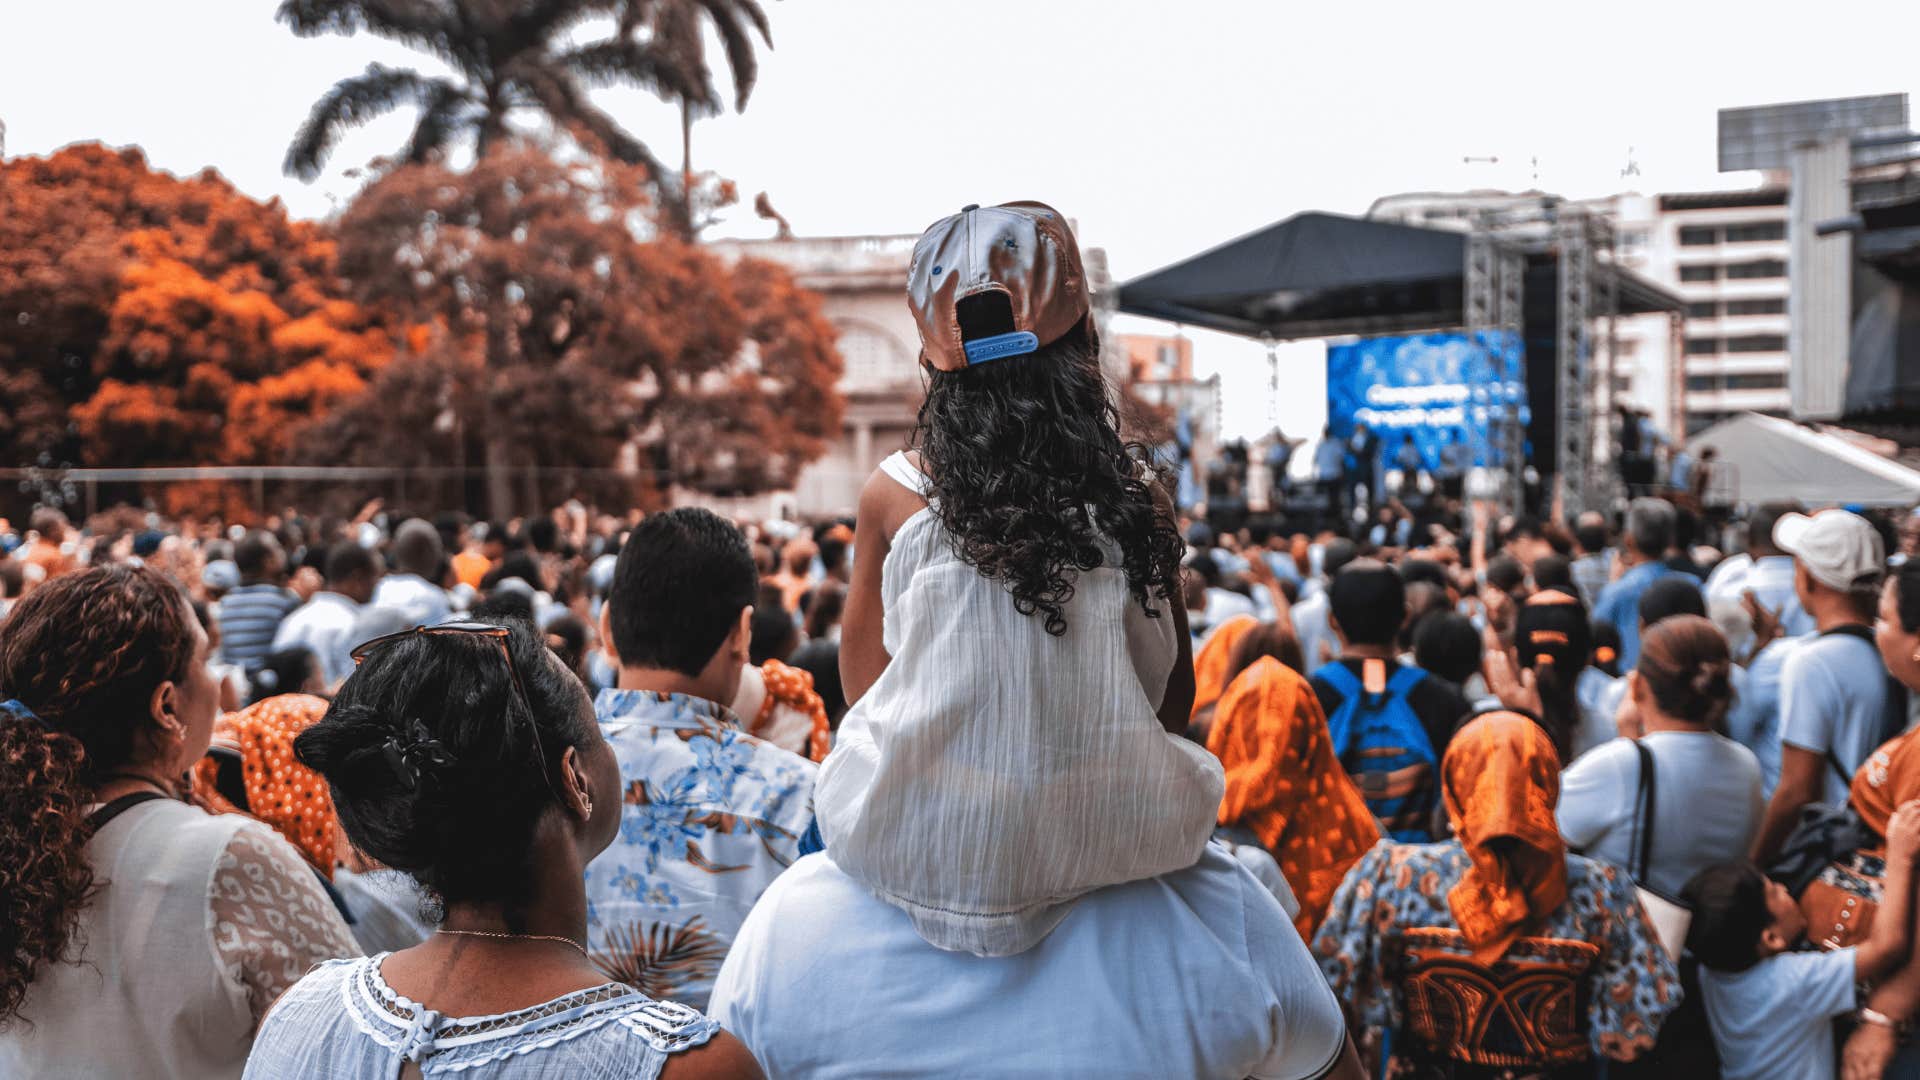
(1029, 476)
(84, 652)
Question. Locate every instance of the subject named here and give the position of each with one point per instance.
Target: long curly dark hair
(1029, 473)
(85, 653)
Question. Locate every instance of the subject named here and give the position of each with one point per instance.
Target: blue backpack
(1385, 748)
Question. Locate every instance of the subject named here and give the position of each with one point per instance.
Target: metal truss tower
(1495, 301)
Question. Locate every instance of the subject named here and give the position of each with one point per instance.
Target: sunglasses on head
(499, 635)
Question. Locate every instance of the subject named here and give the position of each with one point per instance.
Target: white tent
(1765, 459)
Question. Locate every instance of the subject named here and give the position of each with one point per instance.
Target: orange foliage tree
(563, 343)
(159, 320)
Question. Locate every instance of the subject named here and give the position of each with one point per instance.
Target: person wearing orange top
(1285, 785)
(1211, 662)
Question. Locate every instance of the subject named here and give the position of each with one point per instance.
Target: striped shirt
(249, 616)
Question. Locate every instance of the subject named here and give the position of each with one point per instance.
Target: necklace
(515, 937)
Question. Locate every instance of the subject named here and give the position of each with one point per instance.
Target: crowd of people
(1020, 771)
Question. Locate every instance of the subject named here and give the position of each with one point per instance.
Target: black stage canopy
(1327, 275)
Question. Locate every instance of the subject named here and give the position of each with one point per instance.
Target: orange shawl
(1890, 777)
(1210, 665)
(1286, 786)
(1502, 779)
(283, 794)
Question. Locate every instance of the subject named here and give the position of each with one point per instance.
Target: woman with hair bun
(140, 936)
(467, 756)
(1707, 789)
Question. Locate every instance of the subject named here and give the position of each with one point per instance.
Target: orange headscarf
(281, 793)
(1890, 777)
(1501, 779)
(1285, 784)
(1210, 665)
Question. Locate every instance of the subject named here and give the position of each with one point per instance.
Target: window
(1700, 273)
(1699, 236)
(1631, 241)
(1702, 383)
(1759, 268)
(1774, 306)
(1706, 309)
(1770, 380)
(1753, 231)
(1703, 346)
(872, 358)
(1622, 384)
(1753, 343)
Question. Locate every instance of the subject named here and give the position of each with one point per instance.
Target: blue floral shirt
(710, 816)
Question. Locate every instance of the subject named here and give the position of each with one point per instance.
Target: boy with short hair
(712, 813)
(1772, 1008)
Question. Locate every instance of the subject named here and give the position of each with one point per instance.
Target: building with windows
(862, 282)
(1726, 253)
(1159, 371)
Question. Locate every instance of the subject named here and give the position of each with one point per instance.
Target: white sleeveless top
(995, 772)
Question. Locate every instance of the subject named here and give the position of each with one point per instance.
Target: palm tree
(514, 57)
(508, 57)
(677, 28)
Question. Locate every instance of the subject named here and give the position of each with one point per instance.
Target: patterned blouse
(1389, 931)
(712, 815)
(343, 1022)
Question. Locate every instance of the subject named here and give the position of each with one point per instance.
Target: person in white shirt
(324, 624)
(1707, 790)
(1766, 572)
(1008, 796)
(418, 559)
(1834, 695)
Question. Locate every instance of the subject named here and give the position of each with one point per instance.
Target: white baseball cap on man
(1838, 547)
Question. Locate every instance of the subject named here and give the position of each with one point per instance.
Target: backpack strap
(99, 818)
(1341, 678)
(1895, 719)
(1404, 680)
(1643, 810)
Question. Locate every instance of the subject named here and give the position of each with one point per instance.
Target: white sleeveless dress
(995, 772)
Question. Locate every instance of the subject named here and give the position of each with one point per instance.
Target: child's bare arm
(1886, 947)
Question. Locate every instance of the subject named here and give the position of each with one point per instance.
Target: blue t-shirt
(1619, 604)
(1833, 699)
(1775, 1019)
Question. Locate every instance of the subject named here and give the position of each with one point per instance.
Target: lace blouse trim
(463, 1042)
(269, 920)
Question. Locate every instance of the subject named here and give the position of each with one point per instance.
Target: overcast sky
(1162, 127)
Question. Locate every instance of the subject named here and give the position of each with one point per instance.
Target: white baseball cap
(1838, 548)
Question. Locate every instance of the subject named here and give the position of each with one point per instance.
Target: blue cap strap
(1001, 346)
(15, 709)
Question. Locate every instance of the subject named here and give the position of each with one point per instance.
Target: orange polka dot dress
(281, 793)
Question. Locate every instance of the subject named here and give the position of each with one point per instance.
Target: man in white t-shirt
(417, 556)
(1834, 697)
(325, 622)
(1197, 973)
